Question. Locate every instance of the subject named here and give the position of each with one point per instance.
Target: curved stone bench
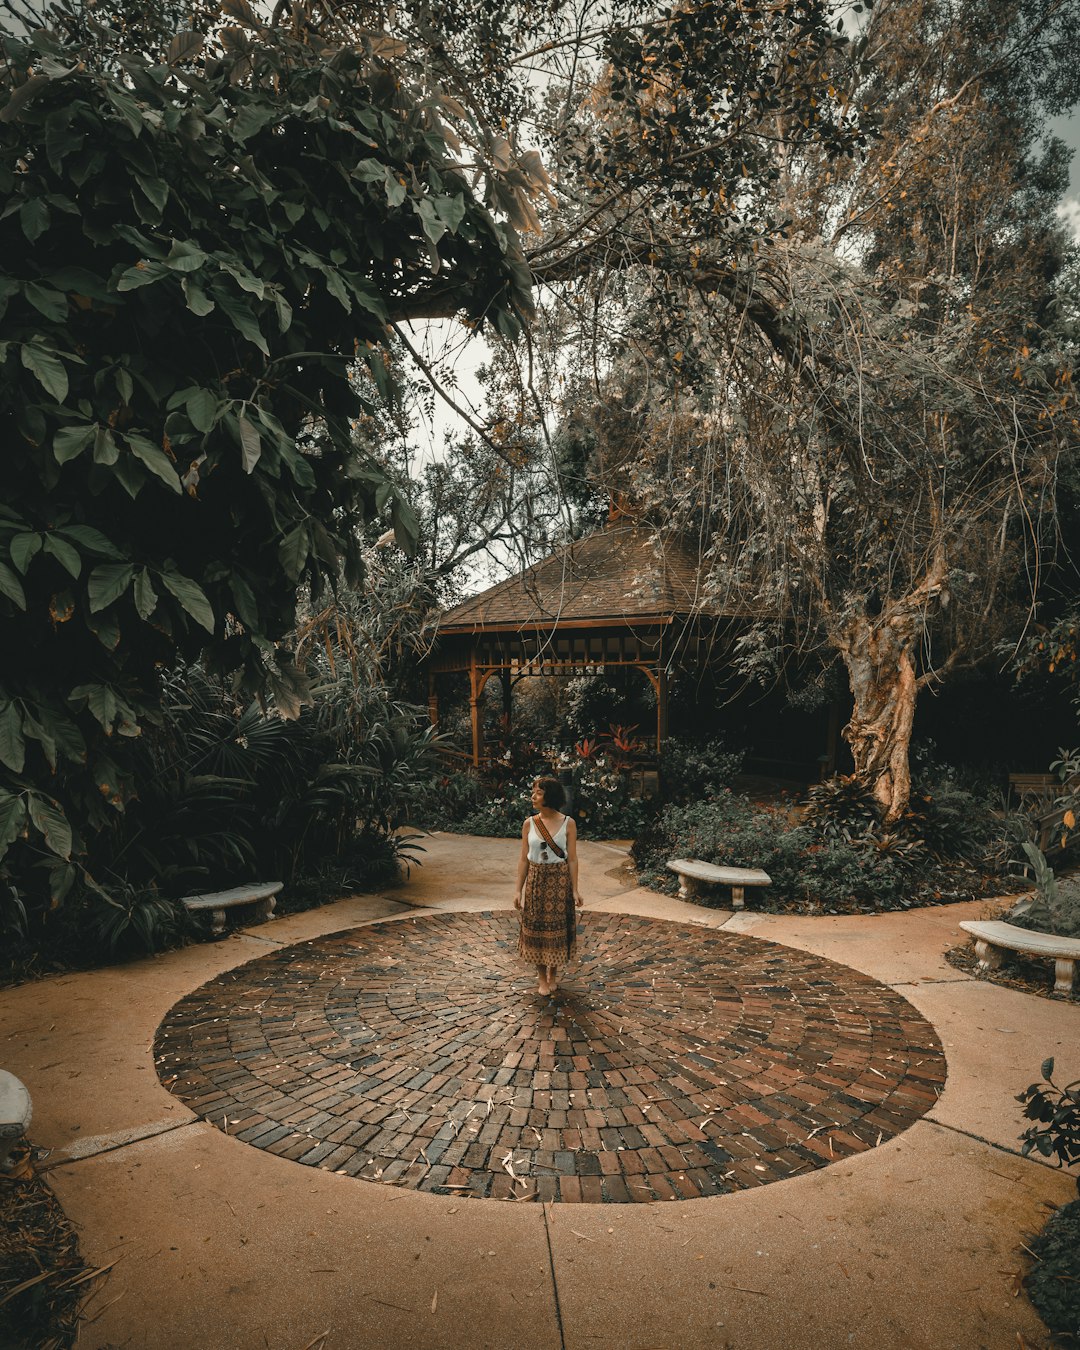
(258, 893)
(992, 936)
(16, 1113)
(695, 875)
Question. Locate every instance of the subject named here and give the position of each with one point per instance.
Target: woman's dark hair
(553, 792)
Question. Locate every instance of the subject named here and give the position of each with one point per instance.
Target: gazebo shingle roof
(622, 572)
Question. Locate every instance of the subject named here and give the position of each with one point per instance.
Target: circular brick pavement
(675, 1062)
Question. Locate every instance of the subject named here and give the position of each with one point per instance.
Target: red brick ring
(675, 1062)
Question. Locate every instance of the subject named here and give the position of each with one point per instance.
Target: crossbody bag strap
(543, 829)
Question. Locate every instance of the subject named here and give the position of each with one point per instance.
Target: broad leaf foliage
(196, 251)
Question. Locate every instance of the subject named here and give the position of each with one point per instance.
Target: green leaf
(12, 819)
(69, 739)
(145, 596)
(61, 879)
(293, 552)
(23, 549)
(201, 408)
(108, 581)
(144, 273)
(12, 745)
(284, 310)
(48, 369)
(155, 459)
(246, 280)
(451, 210)
(126, 107)
(106, 451)
(11, 586)
(51, 821)
(65, 555)
(247, 610)
(70, 442)
(101, 701)
(197, 300)
(154, 190)
(34, 218)
(336, 286)
(252, 118)
(191, 596)
(185, 256)
(250, 443)
(395, 190)
(106, 628)
(242, 318)
(406, 524)
(42, 734)
(91, 539)
(434, 228)
(53, 304)
(124, 384)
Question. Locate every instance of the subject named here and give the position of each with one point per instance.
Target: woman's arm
(571, 858)
(523, 865)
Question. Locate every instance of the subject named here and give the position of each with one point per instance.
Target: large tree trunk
(878, 655)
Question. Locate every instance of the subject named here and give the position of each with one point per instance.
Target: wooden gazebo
(622, 597)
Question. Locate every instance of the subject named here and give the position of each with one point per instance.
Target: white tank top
(538, 844)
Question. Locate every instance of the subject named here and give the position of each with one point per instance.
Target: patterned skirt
(548, 934)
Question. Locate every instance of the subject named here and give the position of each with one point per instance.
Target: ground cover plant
(1053, 1282)
(836, 854)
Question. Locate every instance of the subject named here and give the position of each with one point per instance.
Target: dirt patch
(1016, 971)
(43, 1277)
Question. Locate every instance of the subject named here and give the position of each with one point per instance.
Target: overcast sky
(1068, 128)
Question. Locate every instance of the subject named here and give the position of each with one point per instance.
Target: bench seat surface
(724, 876)
(239, 895)
(15, 1107)
(999, 933)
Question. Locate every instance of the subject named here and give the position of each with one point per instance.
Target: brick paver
(675, 1062)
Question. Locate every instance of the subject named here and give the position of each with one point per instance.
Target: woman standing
(547, 885)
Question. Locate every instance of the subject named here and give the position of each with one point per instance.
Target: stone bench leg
(1063, 975)
(738, 897)
(989, 955)
(217, 921)
(263, 910)
(688, 888)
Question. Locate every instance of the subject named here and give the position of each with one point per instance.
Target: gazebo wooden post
(476, 688)
(661, 709)
(507, 698)
(432, 699)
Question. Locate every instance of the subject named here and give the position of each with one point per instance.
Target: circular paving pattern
(675, 1062)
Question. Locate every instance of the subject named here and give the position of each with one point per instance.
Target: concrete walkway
(219, 1245)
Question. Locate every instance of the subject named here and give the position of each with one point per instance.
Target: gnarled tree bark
(878, 651)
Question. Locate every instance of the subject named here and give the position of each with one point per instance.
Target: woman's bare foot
(552, 979)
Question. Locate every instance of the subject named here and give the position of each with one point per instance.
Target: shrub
(805, 869)
(842, 808)
(1057, 1113)
(501, 816)
(1055, 907)
(952, 821)
(449, 800)
(1053, 1283)
(689, 770)
(602, 804)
